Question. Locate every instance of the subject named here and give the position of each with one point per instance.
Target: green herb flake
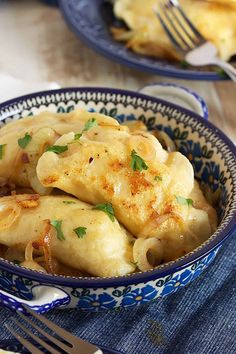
(57, 224)
(158, 178)
(91, 123)
(106, 208)
(15, 261)
(77, 136)
(222, 73)
(137, 163)
(184, 64)
(184, 201)
(68, 202)
(80, 231)
(2, 150)
(23, 142)
(58, 149)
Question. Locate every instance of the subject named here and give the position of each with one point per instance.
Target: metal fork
(187, 40)
(75, 345)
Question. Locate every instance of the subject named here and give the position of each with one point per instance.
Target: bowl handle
(179, 95)
(44, 299)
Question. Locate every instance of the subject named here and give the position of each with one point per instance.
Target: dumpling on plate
(215, 20)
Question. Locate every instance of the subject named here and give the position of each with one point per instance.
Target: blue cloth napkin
(198, 319)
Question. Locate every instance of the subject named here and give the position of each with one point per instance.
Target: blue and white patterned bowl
(213, 156)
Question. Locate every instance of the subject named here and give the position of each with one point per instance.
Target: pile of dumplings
(82, 193)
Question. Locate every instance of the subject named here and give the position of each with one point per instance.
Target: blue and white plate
(90, 20)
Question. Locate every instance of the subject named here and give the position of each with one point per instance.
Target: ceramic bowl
(213, 157)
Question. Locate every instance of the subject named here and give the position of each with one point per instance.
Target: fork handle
(228, 68)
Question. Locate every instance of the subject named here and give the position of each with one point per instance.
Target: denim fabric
(198, 319)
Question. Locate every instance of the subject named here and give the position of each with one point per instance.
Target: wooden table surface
(36, 45)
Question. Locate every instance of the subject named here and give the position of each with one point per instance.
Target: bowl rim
(140, 277)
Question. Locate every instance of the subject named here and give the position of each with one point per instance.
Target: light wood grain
(36, 45)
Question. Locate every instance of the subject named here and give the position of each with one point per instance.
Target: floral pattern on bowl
(94, 300)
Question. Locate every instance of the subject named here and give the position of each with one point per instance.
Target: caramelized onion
(9, 213)
(46, 239)
(41, 138)
(17, 164)
(147, 253)
(150, 228)
(34, 181)
(42, 248)
(113, 126)
(135, 125)
(213, 198)
(166, 142)
(121, 34)
(29, 251)
(33, 265)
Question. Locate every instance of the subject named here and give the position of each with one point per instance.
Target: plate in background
(90, 20)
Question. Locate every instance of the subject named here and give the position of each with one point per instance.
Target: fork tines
(181, 31)
(74, 344)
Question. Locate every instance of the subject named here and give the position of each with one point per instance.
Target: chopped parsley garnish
(2, 150)
(23, 142)
(106, 208)
(158, 178)
(137, 163)
(68, 202)
(77, 136)
(184, 201)
(15, 261)
(90, 124)
(58, 149)
(222, 73)
(184, 64)
(57, 224)
(80, 231)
